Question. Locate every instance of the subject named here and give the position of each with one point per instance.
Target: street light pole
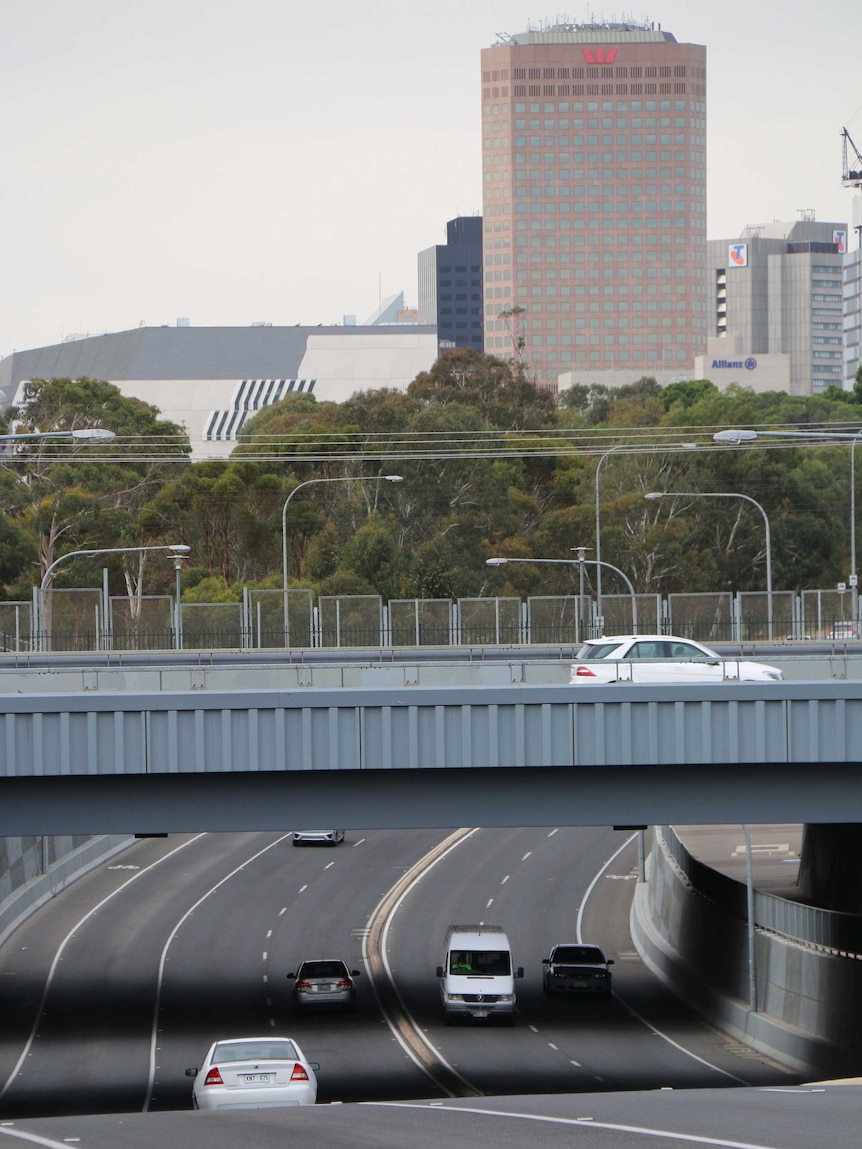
(754, 503)
(579, 561)
(633, 450)
(298, 487)
(737, 436)
(47, 577)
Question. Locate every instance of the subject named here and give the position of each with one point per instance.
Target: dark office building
(450, 285)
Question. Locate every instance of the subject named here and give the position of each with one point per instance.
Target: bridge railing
(80, 620)
(805, 925)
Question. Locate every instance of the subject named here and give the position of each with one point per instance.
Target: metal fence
(80, 620)
(800, 923)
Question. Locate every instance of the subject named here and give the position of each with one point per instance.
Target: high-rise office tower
(594, 200)
(450, 285)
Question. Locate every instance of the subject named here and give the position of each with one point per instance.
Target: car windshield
(278, 1050)
(578, 955)
(597, 650)
(491, 963)
(313, 969)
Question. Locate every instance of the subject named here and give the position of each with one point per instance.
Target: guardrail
(808, 926)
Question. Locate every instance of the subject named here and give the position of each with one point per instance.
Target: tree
(504, 398)
(86, 497)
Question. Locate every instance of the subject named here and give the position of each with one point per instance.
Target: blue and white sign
(737, 255)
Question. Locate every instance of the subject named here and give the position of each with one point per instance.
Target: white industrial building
(212, 379)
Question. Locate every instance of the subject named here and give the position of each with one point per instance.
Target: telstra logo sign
(600, 55)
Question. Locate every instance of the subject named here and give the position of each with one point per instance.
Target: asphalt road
(117, 986)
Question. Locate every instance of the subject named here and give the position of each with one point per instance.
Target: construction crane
(852, 176)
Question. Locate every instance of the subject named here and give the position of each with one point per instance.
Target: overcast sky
(235, 161)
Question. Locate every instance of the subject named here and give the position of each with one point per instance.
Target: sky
(242, 161)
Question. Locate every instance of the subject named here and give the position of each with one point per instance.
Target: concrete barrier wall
(33, 870)
(808, 1001)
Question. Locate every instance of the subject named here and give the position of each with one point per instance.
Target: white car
(320, 837)
(662, 658)
(254, 1073)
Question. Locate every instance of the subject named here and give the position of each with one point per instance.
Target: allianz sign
(749, 364)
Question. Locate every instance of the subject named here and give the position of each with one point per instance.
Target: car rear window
(578, 955)
(596, 650)
(255, 1051)
(322, 969)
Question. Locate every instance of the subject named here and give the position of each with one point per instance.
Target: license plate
(480, 1013)
(256, 1078)
(323, 989)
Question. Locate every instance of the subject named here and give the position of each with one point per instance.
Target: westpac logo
(600, 55)
(737, 254)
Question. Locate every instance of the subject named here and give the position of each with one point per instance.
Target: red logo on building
(600, 55)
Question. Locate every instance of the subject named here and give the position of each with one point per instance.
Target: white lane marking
(642, 1130)
(359, 843)
(58, 957)
(489, 903)
(554, 832)
(634, 1013)
(504, 880)
(265, 955)
(576, 1064)
(326, 867)
(384, 955)
(533, 1028)
(164, 957)
(302, 889)
(552, 1046)
(527, 855)
(269, 933)
(282, 911)
(47, 1142)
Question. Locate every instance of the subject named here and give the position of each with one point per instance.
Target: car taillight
(344, 984)
(213, 1077)
(299, 1073)
(303, 985)
(584, 672)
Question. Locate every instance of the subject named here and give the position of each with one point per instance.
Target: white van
(477, 978)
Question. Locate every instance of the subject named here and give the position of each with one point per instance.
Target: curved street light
(298, 487)
(580, 561)
(177, 548)
(632, 449)
(747, 499)
(82, 434)
(736, 436)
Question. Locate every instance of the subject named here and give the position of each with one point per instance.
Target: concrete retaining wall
(33, 870)
(808, 1002)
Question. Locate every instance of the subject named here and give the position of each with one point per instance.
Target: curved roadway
(111, 991)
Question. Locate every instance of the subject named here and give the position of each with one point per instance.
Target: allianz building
(777, 301)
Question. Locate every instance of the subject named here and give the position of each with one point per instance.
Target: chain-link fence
(16, 623)
(351, 620)
(145, 623)
(74, 620)
(420, 622)
(489, 621)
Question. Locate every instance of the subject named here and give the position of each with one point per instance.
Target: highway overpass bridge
(92, 757)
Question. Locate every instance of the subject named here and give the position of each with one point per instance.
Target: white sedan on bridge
(649, 658)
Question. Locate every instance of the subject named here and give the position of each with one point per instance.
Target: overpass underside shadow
(704, 794)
